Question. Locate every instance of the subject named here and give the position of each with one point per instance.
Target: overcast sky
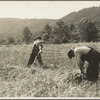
(42, 9)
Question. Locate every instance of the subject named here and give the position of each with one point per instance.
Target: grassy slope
(56, 81)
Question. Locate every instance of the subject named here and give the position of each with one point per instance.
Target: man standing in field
(90, 55)
(36, 52)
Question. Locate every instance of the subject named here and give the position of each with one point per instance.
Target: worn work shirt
(79, 51)
(37, 45)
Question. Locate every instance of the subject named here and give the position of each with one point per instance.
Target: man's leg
(31, 60)
(92, 71)
(40, 59)
(89, 72)
(95, 74)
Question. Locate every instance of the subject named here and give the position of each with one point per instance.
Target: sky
(42, 9)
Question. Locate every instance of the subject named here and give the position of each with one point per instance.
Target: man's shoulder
(81, 49)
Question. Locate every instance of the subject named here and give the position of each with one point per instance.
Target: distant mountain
(14, 26)
(74, 17)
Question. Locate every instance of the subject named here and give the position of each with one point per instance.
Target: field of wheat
(57, 79)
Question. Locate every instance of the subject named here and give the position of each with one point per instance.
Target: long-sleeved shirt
(38, 43)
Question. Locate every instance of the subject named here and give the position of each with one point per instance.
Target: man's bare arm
(80, 63)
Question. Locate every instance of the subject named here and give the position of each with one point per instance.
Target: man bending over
(90, 55)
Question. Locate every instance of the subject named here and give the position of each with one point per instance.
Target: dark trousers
(35, 53)
(93, 71)
(93, 58)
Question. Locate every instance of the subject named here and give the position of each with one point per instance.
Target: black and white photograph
(49, 49)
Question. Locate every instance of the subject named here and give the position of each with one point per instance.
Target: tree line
(83, 31)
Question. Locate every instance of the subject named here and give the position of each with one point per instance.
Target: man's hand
(83, 73)
(40, 51)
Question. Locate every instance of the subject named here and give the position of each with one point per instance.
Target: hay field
(57, 80)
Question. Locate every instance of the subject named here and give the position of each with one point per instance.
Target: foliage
(60, 33)
(45, 37)
(85, 30)
(70, 28)
(27, 35)
(46, 32)
(48, 29)
(88, 30)
(11, 40)
(75, 36)
(14, 26)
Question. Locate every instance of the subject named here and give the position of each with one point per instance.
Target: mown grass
(57, 80)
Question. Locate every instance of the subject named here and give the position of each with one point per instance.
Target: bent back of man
(90, 55)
